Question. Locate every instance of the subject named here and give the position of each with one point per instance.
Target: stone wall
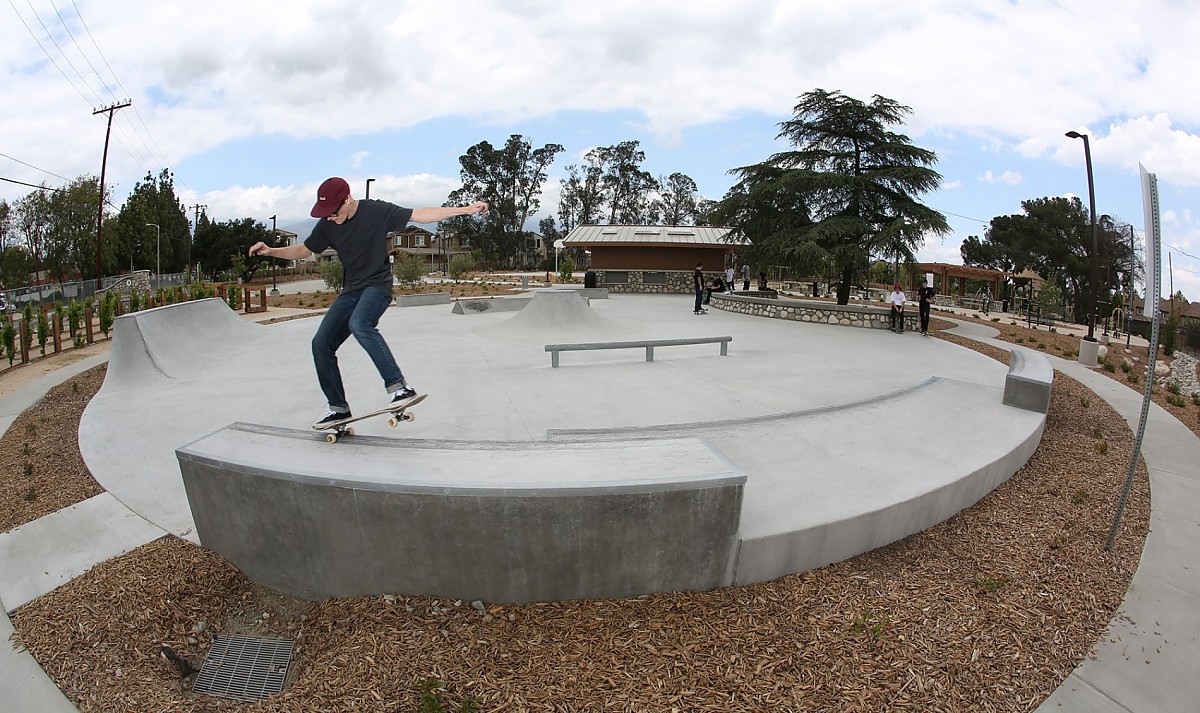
(660, 282)
(866, 316)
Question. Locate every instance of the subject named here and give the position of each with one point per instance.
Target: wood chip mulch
(988, 611)
(41, 469)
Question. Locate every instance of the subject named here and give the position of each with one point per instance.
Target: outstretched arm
(433, 215)
(290, 252)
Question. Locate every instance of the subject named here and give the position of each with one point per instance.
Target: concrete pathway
(1146, 662)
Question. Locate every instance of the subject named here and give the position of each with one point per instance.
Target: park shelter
(653, 247)
(954, 277)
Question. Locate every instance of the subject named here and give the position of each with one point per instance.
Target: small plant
(873, 625)
(1041, 345)
(1174, 388)
(1177, 401)
(27, 469)
(1102, 448)
(429, 691)
(1108, 366)
(1196, 399)
(26, 449)
(988, 583)
(31, 428)
(1097, 433)
(1020, 340)
(1085, 401)
(995, 319)
(8, 336)
(43, 329)
(31, 494)
(1126, 367)
(1132, 376)
(79, 340)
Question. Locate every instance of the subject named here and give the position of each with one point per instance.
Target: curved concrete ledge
(501, 522)
(895, 474)
(815, 311)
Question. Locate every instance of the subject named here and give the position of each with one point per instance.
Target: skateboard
(398, 412)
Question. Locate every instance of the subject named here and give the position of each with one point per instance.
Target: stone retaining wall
(866, 316)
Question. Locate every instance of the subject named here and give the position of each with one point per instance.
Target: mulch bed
(988, 611)
(41, 469)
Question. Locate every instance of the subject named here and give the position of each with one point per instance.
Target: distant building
(651, 258)
(435, 249)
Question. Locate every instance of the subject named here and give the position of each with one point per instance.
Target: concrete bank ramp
(559, 315)
(171, 342)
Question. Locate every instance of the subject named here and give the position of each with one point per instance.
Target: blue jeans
(354, 313)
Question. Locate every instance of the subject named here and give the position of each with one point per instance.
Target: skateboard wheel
(331, 438)
(349, 431)
(394, 421)
(410, 417)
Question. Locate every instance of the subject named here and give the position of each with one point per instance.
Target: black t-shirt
(361, 243)
(698, 279)
(925, 293)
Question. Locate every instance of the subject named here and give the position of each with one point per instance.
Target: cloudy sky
(253, 104)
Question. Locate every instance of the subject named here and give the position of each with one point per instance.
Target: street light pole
(157, 256)
(1093, 269)
(368, 188)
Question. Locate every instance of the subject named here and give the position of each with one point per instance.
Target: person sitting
(717, 285)
(762, 283)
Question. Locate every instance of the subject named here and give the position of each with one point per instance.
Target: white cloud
(1010, 178)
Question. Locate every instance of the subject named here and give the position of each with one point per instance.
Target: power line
(30, 165)
(23, 183)
(50, 36)
(46, 52)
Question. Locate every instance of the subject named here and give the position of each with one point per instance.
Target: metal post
(1093, 270)
(274, 239)
(1129, 307)
(157, 256)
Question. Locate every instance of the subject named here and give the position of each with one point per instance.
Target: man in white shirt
(729, 280)
(897, 315)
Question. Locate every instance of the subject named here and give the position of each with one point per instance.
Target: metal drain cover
(246, 668)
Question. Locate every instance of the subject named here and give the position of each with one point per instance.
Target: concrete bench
(1028, 382)
(421, 300)
(497, 521)
(648, 344)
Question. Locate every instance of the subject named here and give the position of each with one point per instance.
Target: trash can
(589, 279)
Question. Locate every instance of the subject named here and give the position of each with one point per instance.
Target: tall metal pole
(274, 238)
(1093, 269)
(103, 169)
(1129, 307)
(368, 188)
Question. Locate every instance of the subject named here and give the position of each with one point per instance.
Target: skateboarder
(358, 230)
(698, 286)
(924, 295)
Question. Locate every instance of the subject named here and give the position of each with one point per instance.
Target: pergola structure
(954, 277)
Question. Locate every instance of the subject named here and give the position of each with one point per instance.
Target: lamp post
(368, 195)
(274, 238)
(1089, 349)
(1093, 269)
(157, 256)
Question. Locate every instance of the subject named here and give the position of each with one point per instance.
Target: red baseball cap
(330, 196)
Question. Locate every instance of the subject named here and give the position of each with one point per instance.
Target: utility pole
(100, 211)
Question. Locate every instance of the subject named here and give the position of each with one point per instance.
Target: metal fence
(65, 292)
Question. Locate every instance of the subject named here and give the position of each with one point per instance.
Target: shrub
(43, 328)
(8, 335)
(108, 309)
(334, 275)
(460, 265)
(566, 269)
(408, 269)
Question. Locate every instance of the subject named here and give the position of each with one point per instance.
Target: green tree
(460, 265)
(581, 195)
(510, 180)
(846, 191)
(677, 199)
(334, 274)
(152, 200)
(222, 247)
(626, 185)
(71, 234)
(17, 266)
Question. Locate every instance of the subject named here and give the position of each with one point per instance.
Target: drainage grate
(247, 668)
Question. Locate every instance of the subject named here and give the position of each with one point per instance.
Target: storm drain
(246, 668)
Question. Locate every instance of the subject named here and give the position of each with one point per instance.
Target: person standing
(745, 276)
(729, 279)
(897, 313)
(698, 285)
(358, 230)
(924, 295)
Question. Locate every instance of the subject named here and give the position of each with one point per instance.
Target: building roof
(684, 235)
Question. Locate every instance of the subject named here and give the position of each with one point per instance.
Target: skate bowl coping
(648, 344)
(495, 521)
(1027, 384)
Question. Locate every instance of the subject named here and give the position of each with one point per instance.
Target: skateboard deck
(398, 412)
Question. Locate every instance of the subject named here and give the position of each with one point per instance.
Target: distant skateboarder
(358, 230)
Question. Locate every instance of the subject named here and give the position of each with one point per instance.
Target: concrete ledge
(599, 293)
(1028, 382)
(421, 300)
(464, 520)
(492, 304)
(868, 316)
